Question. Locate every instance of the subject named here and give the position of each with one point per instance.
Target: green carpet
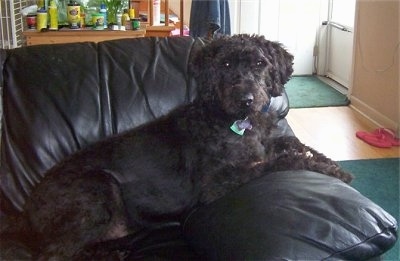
(378, 180)
(309, 92)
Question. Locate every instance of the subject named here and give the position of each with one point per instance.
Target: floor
(331, 130)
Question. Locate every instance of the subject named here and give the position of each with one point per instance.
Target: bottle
(119, 21)
(131, 13)
(103, 11)
(125, 19)
(41, 5)
(53, 15)
(83, 19)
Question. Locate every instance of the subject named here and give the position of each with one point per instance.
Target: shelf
(159, 30)
(66, 35)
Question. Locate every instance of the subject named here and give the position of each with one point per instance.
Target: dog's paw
(339, 173)
(345, 177)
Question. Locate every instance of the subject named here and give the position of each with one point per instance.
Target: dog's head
(240, 73)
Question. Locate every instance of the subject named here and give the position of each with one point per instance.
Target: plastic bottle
(83, 19)
(125, 18)
(41, 5)
(131, 13)
(119, 21)
(53, 16)
(103, 11)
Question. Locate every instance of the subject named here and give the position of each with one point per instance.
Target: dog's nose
(248, 99)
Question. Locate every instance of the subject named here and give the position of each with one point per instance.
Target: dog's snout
(248, 99)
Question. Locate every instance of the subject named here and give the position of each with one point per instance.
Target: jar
(74, 14)
(136, 24)
(98, 21)
(31, 21)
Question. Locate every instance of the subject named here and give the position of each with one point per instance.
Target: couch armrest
(291, 215)
(280, 105)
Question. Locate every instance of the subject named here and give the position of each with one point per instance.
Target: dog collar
(266, 106)
(240, 126)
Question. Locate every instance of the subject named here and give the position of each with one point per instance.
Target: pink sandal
(377, 140)
(389, 135)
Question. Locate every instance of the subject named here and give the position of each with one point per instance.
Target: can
(41, 19)
(73, 15)
(31, 21)
(98, 21)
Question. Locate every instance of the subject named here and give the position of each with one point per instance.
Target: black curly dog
(194, 155)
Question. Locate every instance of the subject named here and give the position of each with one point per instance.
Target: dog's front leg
(288, 153)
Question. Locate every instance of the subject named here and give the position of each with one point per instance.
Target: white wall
(174, 5)
(376, 82)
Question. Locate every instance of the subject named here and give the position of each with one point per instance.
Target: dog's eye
(226, 64)
(260, 63)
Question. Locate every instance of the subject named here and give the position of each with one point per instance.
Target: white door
(336, 42)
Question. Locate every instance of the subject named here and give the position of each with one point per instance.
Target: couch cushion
(292, 215)
(51, 109)
(144, 78)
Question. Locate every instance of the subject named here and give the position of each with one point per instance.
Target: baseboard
(376, 118)
(335, 85)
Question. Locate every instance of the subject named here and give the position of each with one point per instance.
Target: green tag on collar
(235, 129)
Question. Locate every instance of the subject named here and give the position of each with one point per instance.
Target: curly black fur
(161, 170)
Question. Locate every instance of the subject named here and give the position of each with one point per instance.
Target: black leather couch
(59, 98)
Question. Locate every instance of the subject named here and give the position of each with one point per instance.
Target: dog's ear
(196, 62)
(282, 65)
(201, 67)
(199, 56)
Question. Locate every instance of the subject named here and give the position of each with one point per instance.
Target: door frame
(335, 50)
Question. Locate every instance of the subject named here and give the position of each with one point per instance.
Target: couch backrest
(59, 98)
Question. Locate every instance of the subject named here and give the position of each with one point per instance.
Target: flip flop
(389, 135)
(374, 139)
